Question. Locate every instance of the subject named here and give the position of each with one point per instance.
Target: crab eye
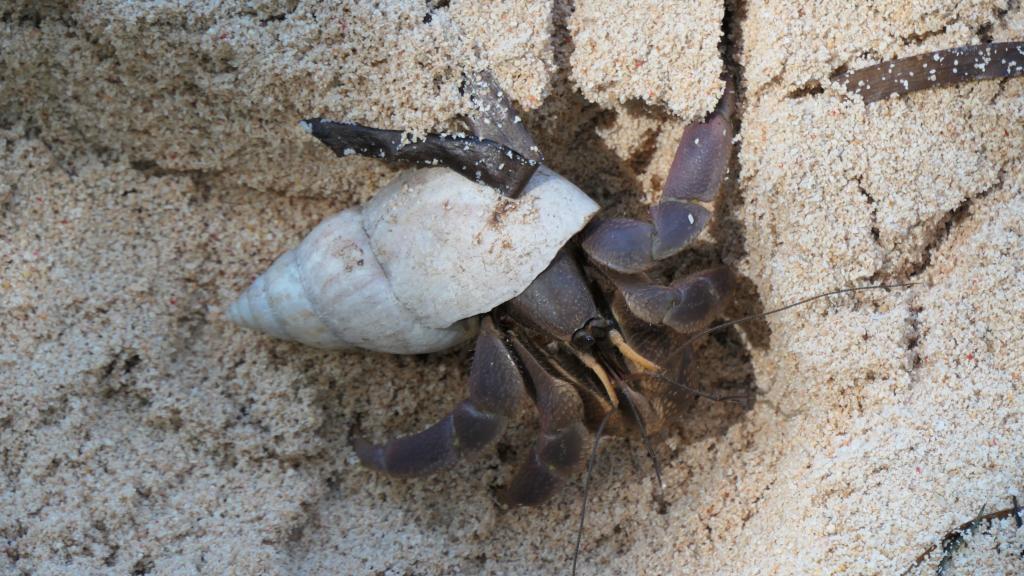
(598, 328)
(582, 340)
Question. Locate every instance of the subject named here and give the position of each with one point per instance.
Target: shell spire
(277, 304)
(331, 293)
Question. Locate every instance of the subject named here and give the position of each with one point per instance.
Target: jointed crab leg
(632, 246)
(627, 248)
(686, 305)
(495, 390)
(559, 450)
(935, 69)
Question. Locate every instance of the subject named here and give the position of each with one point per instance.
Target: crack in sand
(941, 231)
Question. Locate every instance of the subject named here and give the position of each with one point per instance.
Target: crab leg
(632, 246)
(559, 451)
(627, 248)
(495, 390)
(686, 305)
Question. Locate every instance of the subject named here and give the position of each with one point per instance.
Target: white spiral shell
(408, 272)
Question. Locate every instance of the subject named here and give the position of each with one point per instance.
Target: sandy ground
(151, 167)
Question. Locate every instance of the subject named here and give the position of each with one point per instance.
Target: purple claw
(686, 305)
(676, 224)
(620, 244)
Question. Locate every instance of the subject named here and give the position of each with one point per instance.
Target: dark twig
(494, 118)
(953, 539)
(935, 69)
(480, 160)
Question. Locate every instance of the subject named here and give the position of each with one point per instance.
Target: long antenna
(794, 305)
(649, 446)
(740, 399)
(586, 488)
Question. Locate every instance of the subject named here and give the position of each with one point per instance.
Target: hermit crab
(571, 318)
(483, 240)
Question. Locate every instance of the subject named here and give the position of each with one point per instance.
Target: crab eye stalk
(599, 327)
(583, 340)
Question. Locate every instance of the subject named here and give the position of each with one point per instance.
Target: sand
(151, 166)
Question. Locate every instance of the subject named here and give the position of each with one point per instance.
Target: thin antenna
(724, 325)
(740, 399)
(586, 488)
(647, 444)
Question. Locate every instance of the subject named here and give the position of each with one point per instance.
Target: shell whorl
(331, 292)
(277, 304)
